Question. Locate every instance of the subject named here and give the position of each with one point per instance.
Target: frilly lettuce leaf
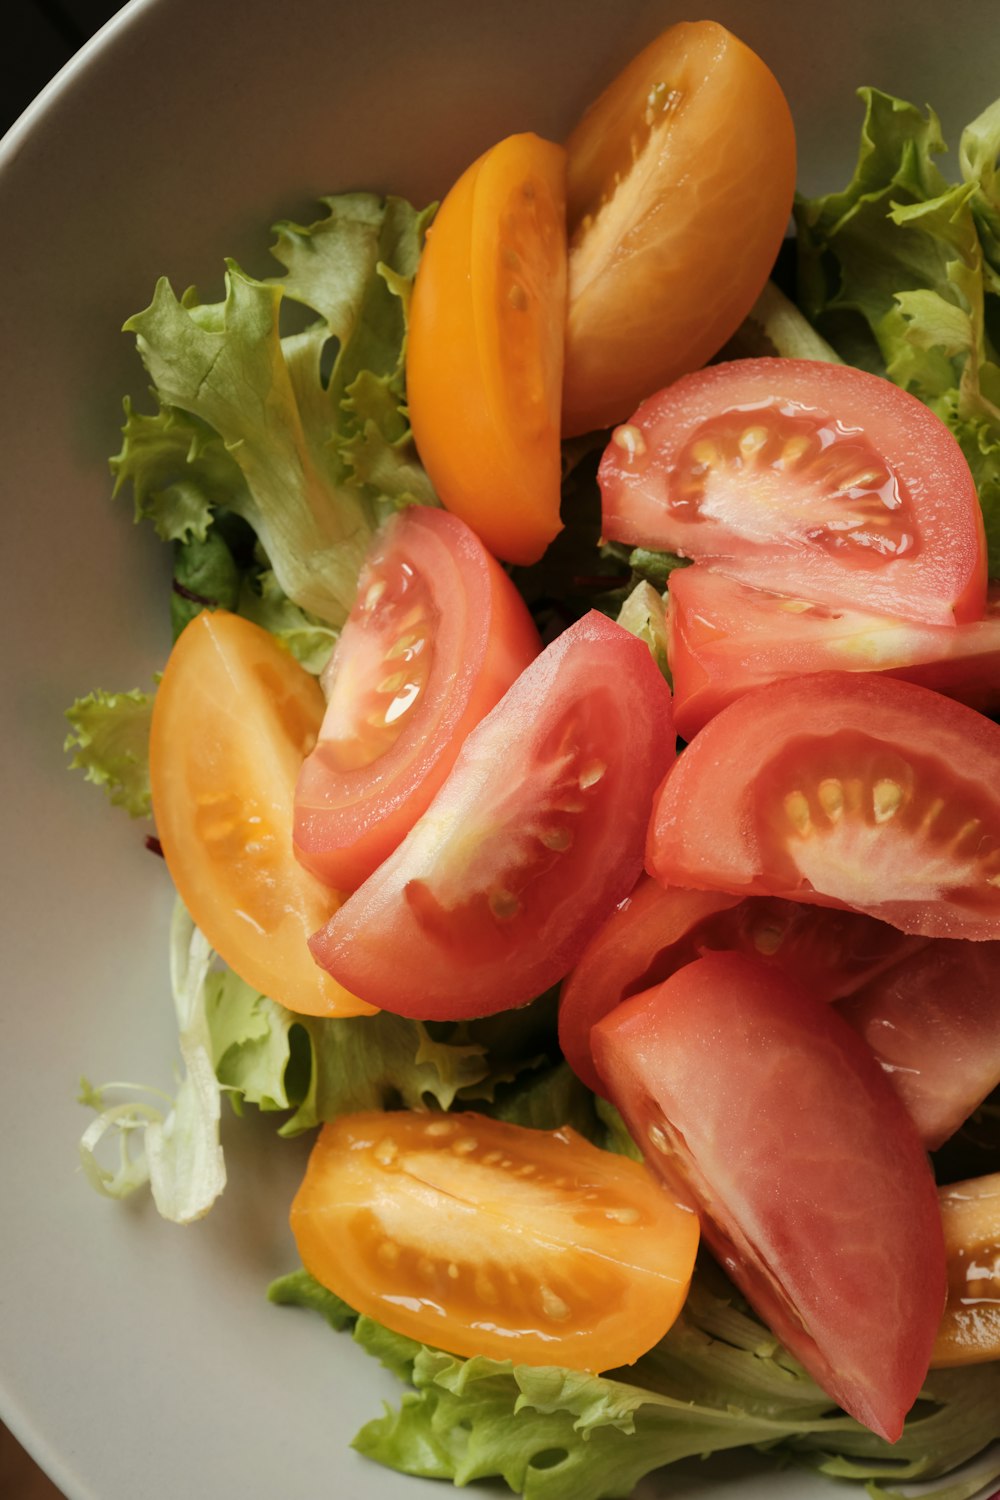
(717, 1381)
(311, 452)
(110, 744)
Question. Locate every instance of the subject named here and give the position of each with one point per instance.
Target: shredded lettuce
(644, 614)
(311, 452)
(179, 1152)
(717, 1381)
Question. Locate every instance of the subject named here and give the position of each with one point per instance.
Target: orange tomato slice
(680, 185)
(234, 717)
(481, 1237)
(970, 1330)
(485, 346)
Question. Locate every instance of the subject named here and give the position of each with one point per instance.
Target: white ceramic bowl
(138, 1359)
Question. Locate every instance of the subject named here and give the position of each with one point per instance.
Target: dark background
(39, 36)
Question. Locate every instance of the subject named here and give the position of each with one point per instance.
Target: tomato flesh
(233, 716)
(481, 1237)
(485, 346)
(814, 480)
(534, 838)
(725, 637)
(933, 1022)
(815, 1194)
(970, 1329)
(665, 261)
(842, 789)
(436, 637)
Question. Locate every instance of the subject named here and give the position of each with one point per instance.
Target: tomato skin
(659, 929)
(841, 789)
(481, 1237)
(748, 466)
(647, 936)
(814, 1191)
(485, 346)
(665, 261)
(233, 716)
(725, 637)
(970, 1329)
(933, 1022)
(533, 840)
(474, 636)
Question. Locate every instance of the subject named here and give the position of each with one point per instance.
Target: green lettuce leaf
(110, 744)
(258, 421)
(644, 614)
(717, 1381)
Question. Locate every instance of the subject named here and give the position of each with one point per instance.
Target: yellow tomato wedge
(480, 1237)
(970, 1330)
(680, 184)
(485, 346)
(233, 719)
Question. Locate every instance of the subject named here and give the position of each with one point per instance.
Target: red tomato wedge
(680, 184)
(933, 1022)
(841, 789)
(435, 639)
(482, 1237)
(647, 937)
(815, 1194)
(658, 930)
(725, 637)
(815, 480)
(233, 716)
(970, 1329)
(532, 841)
(484, 354)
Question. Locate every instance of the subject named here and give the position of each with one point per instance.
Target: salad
(450, 506)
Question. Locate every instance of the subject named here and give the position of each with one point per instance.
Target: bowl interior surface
(137, 1358)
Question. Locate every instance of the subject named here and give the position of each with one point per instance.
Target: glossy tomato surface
(726, 637)
(843, 789)
(481, 1237)
(659, 929)
(814, 480)
(815, 1194)
(436, 637)
(970, 1329)
(666, 261)
(485, 348)
(532, 841)
(233, 716)
(933, 1021)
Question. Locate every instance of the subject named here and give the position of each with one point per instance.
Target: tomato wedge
(436, 637)
(970, 1330)
(814, 480)
(233, 716)
(933, 1022)
(485, 346)
(841, 789)
(680, 185)
(534, 838)
(815, 1194)
(481, 1237)
(659, 929)
(725, 637)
